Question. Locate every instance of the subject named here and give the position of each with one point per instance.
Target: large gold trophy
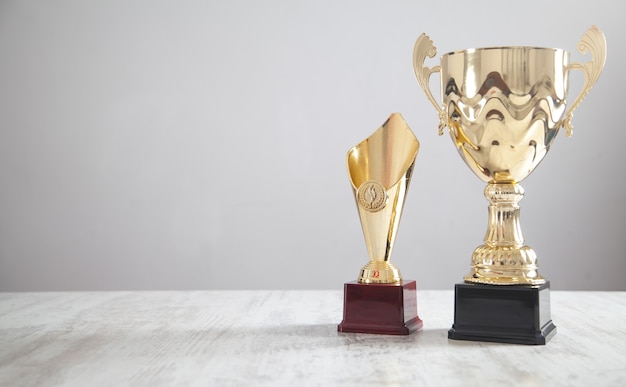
(504, 107)
(380, 169)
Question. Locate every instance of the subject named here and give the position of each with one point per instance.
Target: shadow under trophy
(380, 169)
(504, 107)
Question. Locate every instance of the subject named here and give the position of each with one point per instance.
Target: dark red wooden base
(380, 308)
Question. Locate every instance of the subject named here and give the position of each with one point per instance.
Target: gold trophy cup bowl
(504, 107)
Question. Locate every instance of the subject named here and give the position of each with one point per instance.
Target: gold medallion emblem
(372, 196)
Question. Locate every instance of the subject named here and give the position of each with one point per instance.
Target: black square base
(516, 314)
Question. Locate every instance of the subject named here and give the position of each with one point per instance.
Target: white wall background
(201, 145)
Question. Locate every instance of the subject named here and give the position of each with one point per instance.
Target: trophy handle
(593, 41)
(425, 47)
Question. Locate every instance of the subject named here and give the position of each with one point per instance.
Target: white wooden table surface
(285, 338)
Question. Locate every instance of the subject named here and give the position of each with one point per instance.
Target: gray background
(201, 145)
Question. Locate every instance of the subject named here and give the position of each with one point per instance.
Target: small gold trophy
(380, 169)
(504, 107)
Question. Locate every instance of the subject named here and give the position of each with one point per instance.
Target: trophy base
(515, 314)
(388, 309)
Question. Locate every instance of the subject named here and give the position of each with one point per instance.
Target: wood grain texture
(275, 338)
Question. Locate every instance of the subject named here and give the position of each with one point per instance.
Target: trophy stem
(504, 259)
